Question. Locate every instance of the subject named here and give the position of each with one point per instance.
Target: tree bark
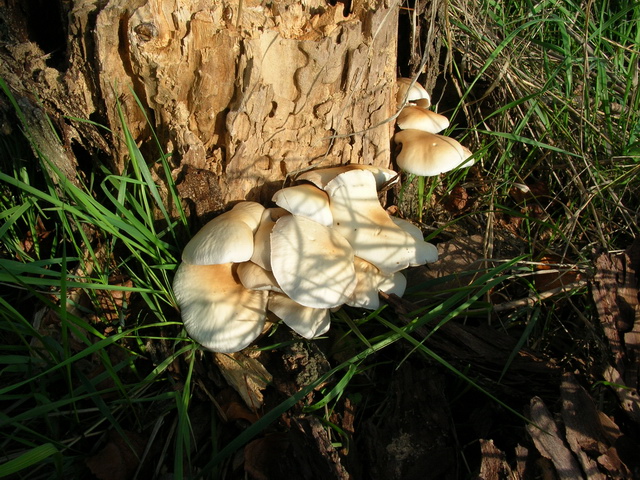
(243, 94)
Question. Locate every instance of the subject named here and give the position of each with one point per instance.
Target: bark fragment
(616, 295)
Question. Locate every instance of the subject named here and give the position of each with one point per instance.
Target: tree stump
(242, 94)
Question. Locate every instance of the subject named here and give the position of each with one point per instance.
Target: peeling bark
(248, 91)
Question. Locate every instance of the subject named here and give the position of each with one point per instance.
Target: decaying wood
(604, 293)
(326, 463)
(246, 375)
(493, 465)
(616, 295)
(586, 443)
(486, 348)
(413, 439)
(628, 397)
(586, 435)
(248, 91)
(304, 451)
(549, 441)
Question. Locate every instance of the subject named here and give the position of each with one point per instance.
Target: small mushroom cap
(358, 217)
(370, 282)
(412, 93)
(321, 176)
(413, 117)
(305, 321)
(305, 201)
(217, 311)
(254, 277)
(312, 263)
(427, 154)
(226, 238)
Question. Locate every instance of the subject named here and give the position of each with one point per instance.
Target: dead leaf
(106, 306)
(457, 200)
(28, 244)
(552, 273)
(237, 411)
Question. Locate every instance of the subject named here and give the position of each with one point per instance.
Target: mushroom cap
(226, 238)
(358, 217)
(422, 102)
(262, 238)
(254, 277)
(413, 117)
(321, 176)
(312, 263)
(249, 213)
(305, 201)
(426, 252)
(370, 282)
(411, 92)
(408, 227)
(217, 311)
(427, 154)
(305, 321)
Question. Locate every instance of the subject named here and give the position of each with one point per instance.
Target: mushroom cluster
(328, 242)
(424, 152)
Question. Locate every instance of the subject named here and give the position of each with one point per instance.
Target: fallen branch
(540, 297)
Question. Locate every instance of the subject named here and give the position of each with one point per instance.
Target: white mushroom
(262, 238)
(249, 213)
(217, 311)
(226, 238)
(370, 282)
(358, 216)
(321, 176)
(306, 321)
(426, 252)
(305, 201)
(428, 154)
(413, 117)
(411, 93)
(254, 277)
(312, 263)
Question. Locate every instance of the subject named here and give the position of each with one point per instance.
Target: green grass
(57, 367)
(69, 381)
(550, 95)
(552, 91)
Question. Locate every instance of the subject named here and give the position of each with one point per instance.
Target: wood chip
(494, 465)
(628, 398)
(548, 440)
(246, 375)
(582, 425)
